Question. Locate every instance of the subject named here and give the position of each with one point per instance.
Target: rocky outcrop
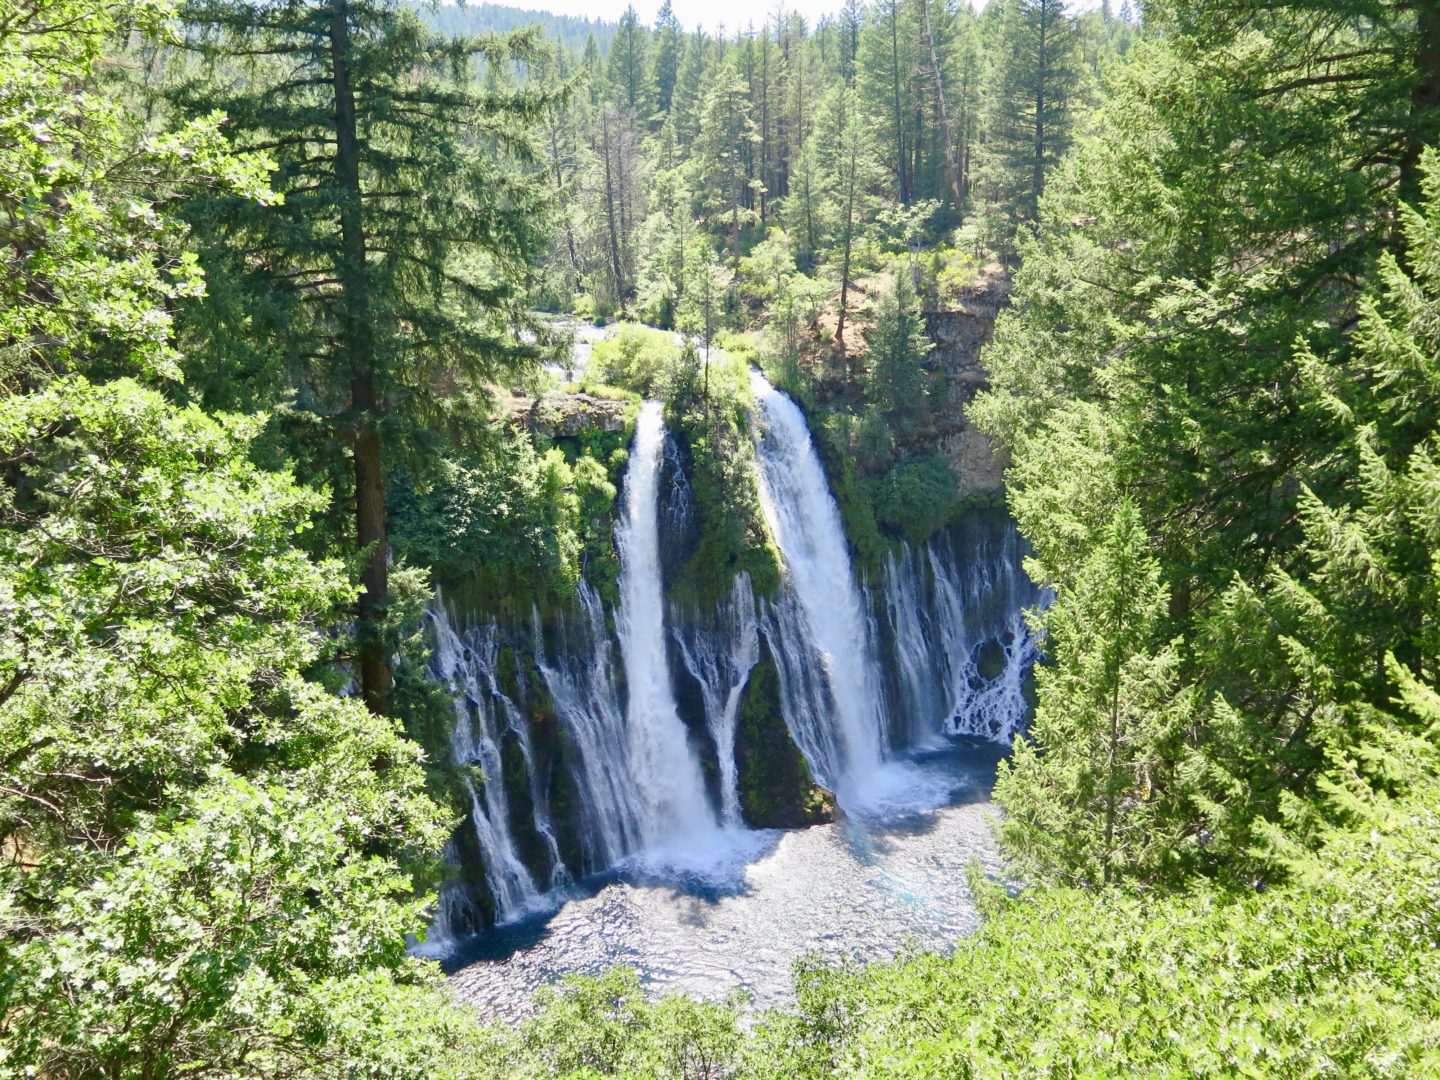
(557, 416)
(959, 333)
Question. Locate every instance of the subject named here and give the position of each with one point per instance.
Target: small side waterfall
(580, 676)
(664, 771)
(989, 648)
(468, 668)
(721, 658)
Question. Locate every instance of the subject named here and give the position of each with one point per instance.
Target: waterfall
(937, 644)
(539, 800)
(468, 669)
(820, 629)
(580, 676)
(961, 645)
(720, 658)
(665, 773)
(989, 648)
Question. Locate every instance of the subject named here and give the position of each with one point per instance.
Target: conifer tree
(1031, 99)
(628, 70)
(897, 347)
(1081, 795)
(669, 45)
(402, 244)
(725, 143)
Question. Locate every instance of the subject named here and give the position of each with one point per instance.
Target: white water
(581, 679)
(674, 812)
(467, 667)
(820, 630)
(720, 657)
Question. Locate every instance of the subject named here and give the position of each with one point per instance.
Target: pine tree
(665, 70)
(852, 19)
(846, 164)
(1084, 794)
(690, 83)
(401, 246)
(897, 347)
(1032, 102)
(627, 69)
(726, 139)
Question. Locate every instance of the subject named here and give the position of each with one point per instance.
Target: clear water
(860, 889)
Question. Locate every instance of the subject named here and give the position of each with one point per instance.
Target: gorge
(626, 761)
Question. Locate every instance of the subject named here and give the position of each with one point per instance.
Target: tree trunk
(559, 185)
(845, 261)
(359, 346)
(1037, 179)
(610, 208)
(951, 170)
(1424, 99)
(895, 83)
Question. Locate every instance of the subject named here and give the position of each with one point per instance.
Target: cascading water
(581, 679)
(962, 648)
(720, 657)
(826, 615)
(989, 649)
(467, 667)
(820, 630)
(936, 646)
(674, 809)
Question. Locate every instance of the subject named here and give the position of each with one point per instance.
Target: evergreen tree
(1192, 272)
(628, 69)
(690, 84)
(897, 347)
(401, 247)
(1084, 795)
(669, 44)
(1032, 103)
(727, 134)
(190, 821)
(852, 19)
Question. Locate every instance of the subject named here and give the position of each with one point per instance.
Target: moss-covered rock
(776, 788)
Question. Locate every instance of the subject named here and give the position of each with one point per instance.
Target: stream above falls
(863, 888)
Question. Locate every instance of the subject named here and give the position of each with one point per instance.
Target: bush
(915, 498)
(637, 358)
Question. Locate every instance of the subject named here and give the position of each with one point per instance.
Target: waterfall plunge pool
(861, 888)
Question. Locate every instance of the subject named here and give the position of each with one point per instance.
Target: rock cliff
(959, 332)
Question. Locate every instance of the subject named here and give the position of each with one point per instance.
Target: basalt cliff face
(959, 333)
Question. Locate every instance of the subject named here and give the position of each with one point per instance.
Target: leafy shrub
(915, 498)
(637, 358)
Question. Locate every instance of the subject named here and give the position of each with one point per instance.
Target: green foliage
(605, 1027)
(916, 498)
(192, 825)
(513, 525)
(712, 424)
(1181, 337)
(775, 786)
(1089, 793)
(638, 358)
(897, 346)
(203, 851)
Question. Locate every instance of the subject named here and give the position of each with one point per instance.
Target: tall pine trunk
(895, 84)
(359, 346)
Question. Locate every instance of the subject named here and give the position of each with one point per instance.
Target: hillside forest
(289, 300)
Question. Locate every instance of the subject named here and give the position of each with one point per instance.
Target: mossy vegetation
(776, 788)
